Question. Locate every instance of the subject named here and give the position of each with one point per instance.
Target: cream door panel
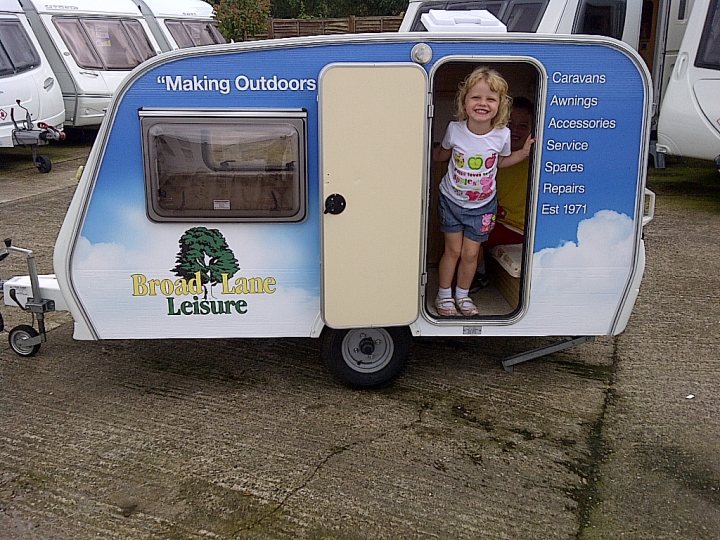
(373, 122)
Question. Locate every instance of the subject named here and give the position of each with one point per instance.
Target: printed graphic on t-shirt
(470, 178)
(475, 162)
(477, 181)
(459, 159)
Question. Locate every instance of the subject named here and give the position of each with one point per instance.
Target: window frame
(512, 6)
(179, 32)
(83, 33)
(297, 118)
(6, 52)
(705, 41)
(580, 16)
(183, 27)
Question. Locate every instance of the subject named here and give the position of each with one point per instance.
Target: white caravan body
(689, 123)
(91, 47)
(655, 29)
(25, 75)
(178, 24)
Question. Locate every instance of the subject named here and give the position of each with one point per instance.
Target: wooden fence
(282, 28)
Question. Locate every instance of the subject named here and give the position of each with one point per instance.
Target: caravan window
(601, 18)
(139, 38)
(709, 50)
(229, 167)
(524, 16)
(194, 33)
(517, 15)
(17, 53)
(105, 44)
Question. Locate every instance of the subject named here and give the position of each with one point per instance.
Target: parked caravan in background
(27, 85)
(689, 123)
(178, 24)
(655, 28)
(91, 47)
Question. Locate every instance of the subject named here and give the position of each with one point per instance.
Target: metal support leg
(566, 343)
(37, 304)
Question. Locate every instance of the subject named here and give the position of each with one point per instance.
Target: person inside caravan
(476, 145)
(511, 188)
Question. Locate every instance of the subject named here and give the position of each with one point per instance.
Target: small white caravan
(91, 47)
(284, 188)
(30, 95)
(178, 24)
(688, 122)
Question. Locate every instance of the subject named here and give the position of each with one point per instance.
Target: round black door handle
(335, 204)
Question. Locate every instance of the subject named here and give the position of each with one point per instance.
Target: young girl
(478, 143)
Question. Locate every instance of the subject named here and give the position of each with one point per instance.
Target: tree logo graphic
(206, 251)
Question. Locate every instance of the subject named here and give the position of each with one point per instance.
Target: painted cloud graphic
(596, 264)
(575, 288)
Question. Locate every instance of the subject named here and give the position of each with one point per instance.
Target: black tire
(43, 164)
(18, 335)
(366, 357)
(2, 323)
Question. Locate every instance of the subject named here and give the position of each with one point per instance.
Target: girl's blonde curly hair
(497, 84)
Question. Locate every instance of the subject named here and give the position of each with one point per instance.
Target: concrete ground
(252, 439)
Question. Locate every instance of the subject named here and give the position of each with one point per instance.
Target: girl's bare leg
(448, 262)
(468, 262)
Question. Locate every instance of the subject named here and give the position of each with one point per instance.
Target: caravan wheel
(43, 164)
(19, 335)
(366, 357)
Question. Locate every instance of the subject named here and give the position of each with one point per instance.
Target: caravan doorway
(504, 296)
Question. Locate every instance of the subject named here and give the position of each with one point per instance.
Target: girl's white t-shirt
(470, 178)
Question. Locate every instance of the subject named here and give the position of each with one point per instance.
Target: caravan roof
(177, 24)
(76, 7)
(10, 6)
(194, 9)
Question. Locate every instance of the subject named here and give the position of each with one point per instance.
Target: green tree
(239, 19)
(206, 251)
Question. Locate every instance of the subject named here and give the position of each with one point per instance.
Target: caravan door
(373, 143)
(689, 123)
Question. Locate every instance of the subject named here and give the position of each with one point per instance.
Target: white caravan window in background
(601, 18)
(17, 53)
(524, 16)
(106, 44)
(709, 50)
(194, 33)
(241, 168)
(517, 15)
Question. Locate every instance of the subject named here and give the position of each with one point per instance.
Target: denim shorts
(474, 223)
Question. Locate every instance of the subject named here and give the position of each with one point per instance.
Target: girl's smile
(481, 106)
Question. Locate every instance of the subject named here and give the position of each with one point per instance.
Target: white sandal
(445, 307)
(466, 306)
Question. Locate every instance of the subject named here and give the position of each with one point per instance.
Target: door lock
(335, 204)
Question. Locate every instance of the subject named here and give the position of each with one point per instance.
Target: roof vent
(476, 20)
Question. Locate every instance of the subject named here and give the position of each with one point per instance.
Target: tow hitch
(24, 339)
(27, 133)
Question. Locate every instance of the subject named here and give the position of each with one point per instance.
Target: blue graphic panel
(589, 156)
